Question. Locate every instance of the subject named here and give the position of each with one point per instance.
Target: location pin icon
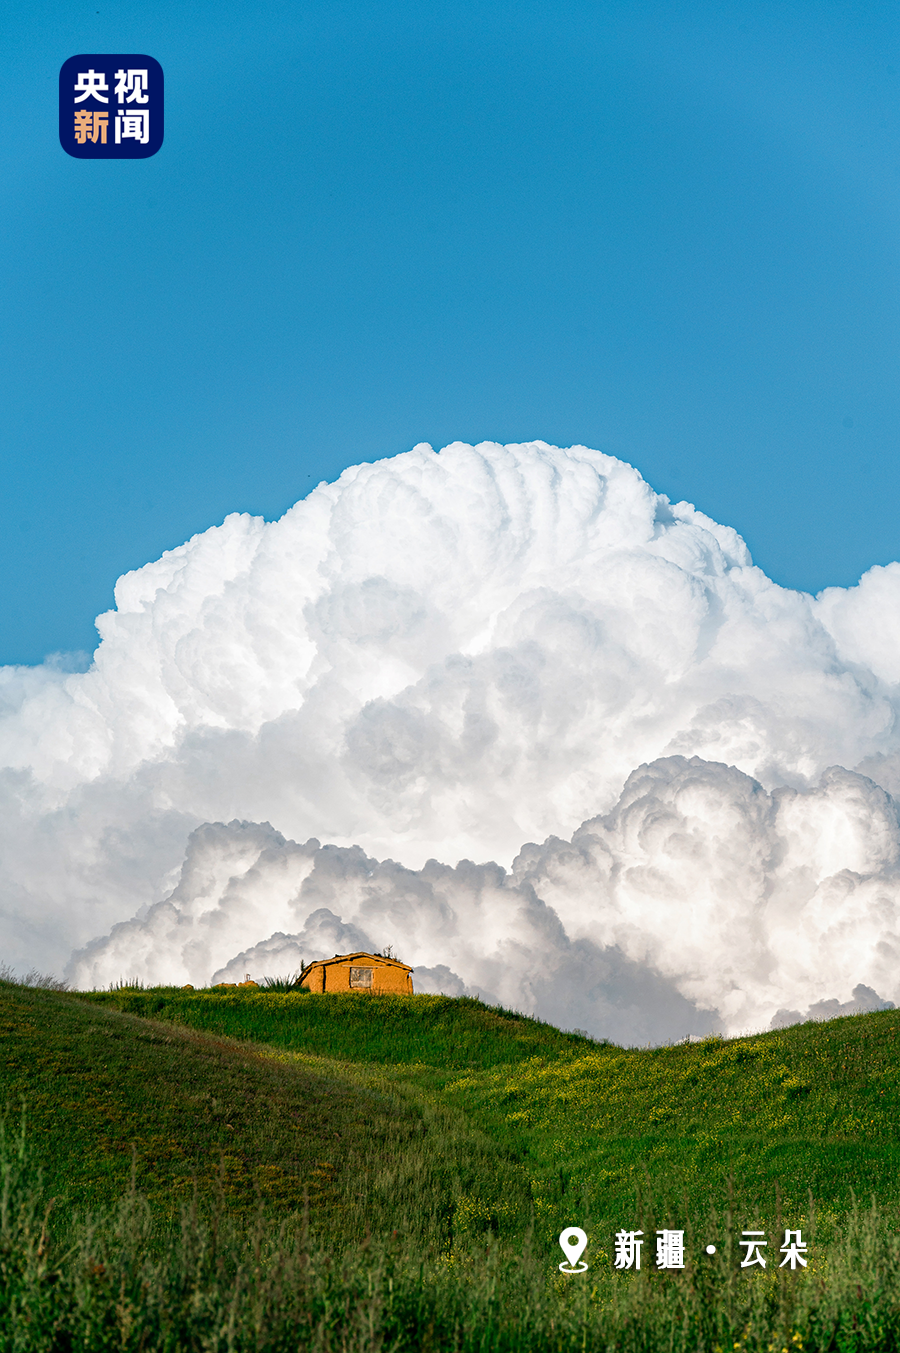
(573, 1242)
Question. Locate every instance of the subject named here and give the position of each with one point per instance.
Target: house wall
(315, 980)
(385, 977)
(336, 977)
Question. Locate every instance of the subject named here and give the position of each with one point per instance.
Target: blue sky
(665, 230)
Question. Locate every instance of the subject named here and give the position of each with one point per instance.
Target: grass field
(603, 1130)
(108, 1095)
(367, 1171)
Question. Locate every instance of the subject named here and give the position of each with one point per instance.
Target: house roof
(348, 958)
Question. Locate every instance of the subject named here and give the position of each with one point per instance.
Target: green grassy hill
(434, 1031)
(430, 1150)
(107, 1094)
(604, 1133)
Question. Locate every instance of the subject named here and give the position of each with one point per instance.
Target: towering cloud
(700, 902)
(440, 657)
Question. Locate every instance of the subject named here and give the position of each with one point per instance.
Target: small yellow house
(358, 972)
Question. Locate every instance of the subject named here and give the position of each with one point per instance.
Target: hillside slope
(606, 1134)
(105, 1093)
(451, 1032)
(437, 1182)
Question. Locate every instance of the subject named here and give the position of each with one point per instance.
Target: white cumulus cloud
(443, 655)
(701, 901)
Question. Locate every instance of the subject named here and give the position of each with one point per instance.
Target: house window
(361, 977)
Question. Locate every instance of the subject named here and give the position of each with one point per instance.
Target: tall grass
(290, 982)
(45, 981)
(103, 1282)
